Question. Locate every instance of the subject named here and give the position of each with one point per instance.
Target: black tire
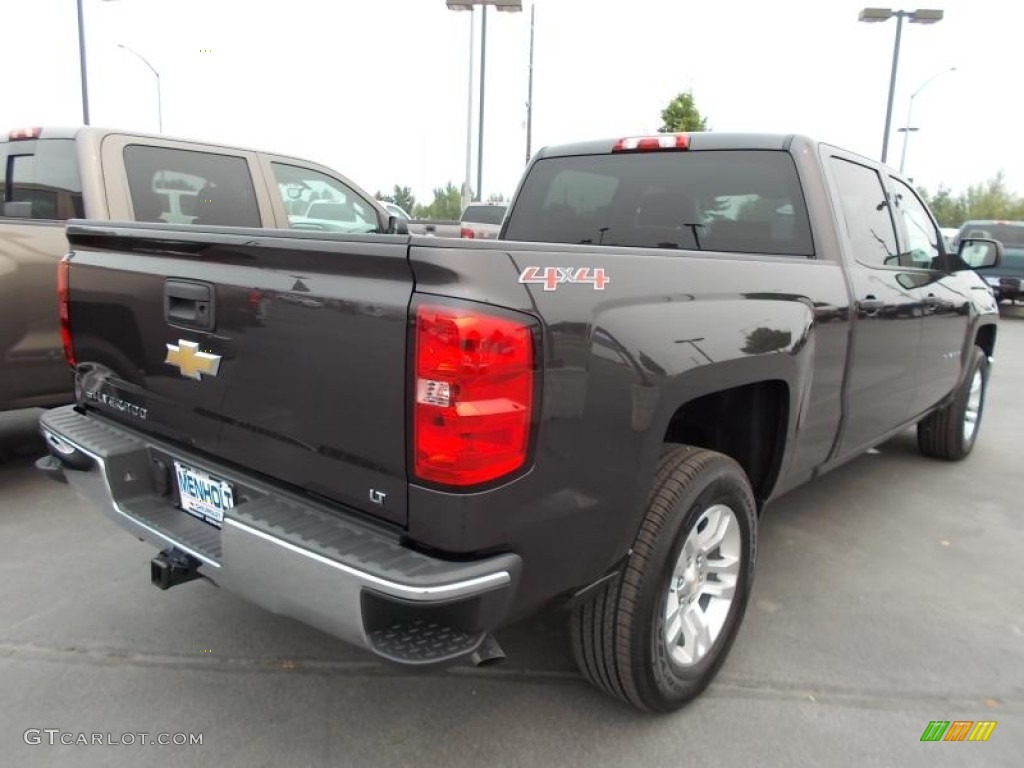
(941, 433)
(618, 637)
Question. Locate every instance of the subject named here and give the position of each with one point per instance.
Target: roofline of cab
(699, 140)
(94, 135)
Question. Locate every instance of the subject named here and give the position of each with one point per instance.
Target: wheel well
(986, 339)
(746, 423)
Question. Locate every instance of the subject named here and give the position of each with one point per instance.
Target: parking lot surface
(889, 594)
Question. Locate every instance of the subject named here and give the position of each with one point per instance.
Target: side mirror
(980, 253)
(397, 226)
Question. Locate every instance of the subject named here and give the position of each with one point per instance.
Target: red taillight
(473, 395)
(20, 134)
(63, 271)
(466, 232)
(652, 143)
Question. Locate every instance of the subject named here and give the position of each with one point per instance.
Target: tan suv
(49, 175)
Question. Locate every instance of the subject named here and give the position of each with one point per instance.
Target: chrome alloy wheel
(702, 585)
(973, 410)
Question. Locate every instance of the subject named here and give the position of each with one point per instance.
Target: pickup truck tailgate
(258, 348)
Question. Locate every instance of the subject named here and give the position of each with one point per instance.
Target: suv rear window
(39, 180)
(180, 186)
(1010, 235)
(743, 201)
(484, 214)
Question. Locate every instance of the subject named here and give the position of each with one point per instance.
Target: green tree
(682, 114)
(378, 195)
(987, 200)
(446, 206)
(950, 210)
(403, 198)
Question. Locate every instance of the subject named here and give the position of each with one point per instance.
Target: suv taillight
(473, 395)
(63, 271)
(466, 232)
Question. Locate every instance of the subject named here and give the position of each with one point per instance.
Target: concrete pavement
(889, 593)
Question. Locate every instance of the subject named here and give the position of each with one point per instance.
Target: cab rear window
(740, 201)
(39, 180)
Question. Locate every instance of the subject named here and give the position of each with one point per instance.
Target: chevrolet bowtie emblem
(192, 363)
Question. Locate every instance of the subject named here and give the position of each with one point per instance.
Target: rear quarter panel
(617, 365)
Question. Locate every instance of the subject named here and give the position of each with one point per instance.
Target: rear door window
(181, 186)
(39, 180)
(866, 213)
(741, 201)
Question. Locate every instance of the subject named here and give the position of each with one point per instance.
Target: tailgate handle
(189, 303)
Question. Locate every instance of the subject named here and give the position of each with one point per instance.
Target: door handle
(932, 303)
(189, 304)
(870, 305)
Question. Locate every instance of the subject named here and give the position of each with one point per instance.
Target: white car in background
(482, 220)
(336, 216)
(394, 210)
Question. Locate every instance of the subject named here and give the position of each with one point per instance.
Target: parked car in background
(337, 215)
(435, 227)
(482, 220)
(1007, 279)
(49, 175)
(394, 209)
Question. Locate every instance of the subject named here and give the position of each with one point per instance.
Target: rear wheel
(950, 432)
(657, 636)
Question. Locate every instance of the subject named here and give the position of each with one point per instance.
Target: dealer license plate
(202, 494)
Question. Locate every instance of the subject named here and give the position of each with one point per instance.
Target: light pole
(467, 187)
(159, 98)
(920, 16)
(906, 130)
(529, 91)
(82, 64)
(468, 5)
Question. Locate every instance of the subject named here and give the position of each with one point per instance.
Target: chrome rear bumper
(292, 556)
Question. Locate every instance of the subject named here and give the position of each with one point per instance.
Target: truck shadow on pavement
(20, 441)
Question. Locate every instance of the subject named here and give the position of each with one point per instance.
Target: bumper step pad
(422, 641)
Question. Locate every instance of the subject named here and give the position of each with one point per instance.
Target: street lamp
(159, 98)
(82, 66)
(906, 130)
(920, 16)
(468, 5)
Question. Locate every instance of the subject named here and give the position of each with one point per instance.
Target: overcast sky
(378, 90)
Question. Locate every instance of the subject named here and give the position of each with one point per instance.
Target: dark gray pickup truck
(409, 442)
